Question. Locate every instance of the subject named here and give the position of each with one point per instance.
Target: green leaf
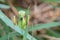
(46, 25)
(53, 1)
(2, 0)
(4, 6)
(12, 34)
(57, 1)
(52, 33)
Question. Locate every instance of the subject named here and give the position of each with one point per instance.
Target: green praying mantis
(23, 19)
(22, 22)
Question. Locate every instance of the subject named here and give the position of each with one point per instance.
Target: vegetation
(22, 20)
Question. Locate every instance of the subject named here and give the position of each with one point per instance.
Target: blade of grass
(57, 1)
(2, 0)
(4, 6)
(12, 34)
(54, 1)
(52, 33)
(46, 25)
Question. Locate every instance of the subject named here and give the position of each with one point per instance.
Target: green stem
(25, 34)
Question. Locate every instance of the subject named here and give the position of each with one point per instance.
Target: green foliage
(12, 34)
(2, 0)
(57, 1)
(53, 33)
(52, 1)
(4, 6)
(16, 28)
(11, 30)
(46, 25)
